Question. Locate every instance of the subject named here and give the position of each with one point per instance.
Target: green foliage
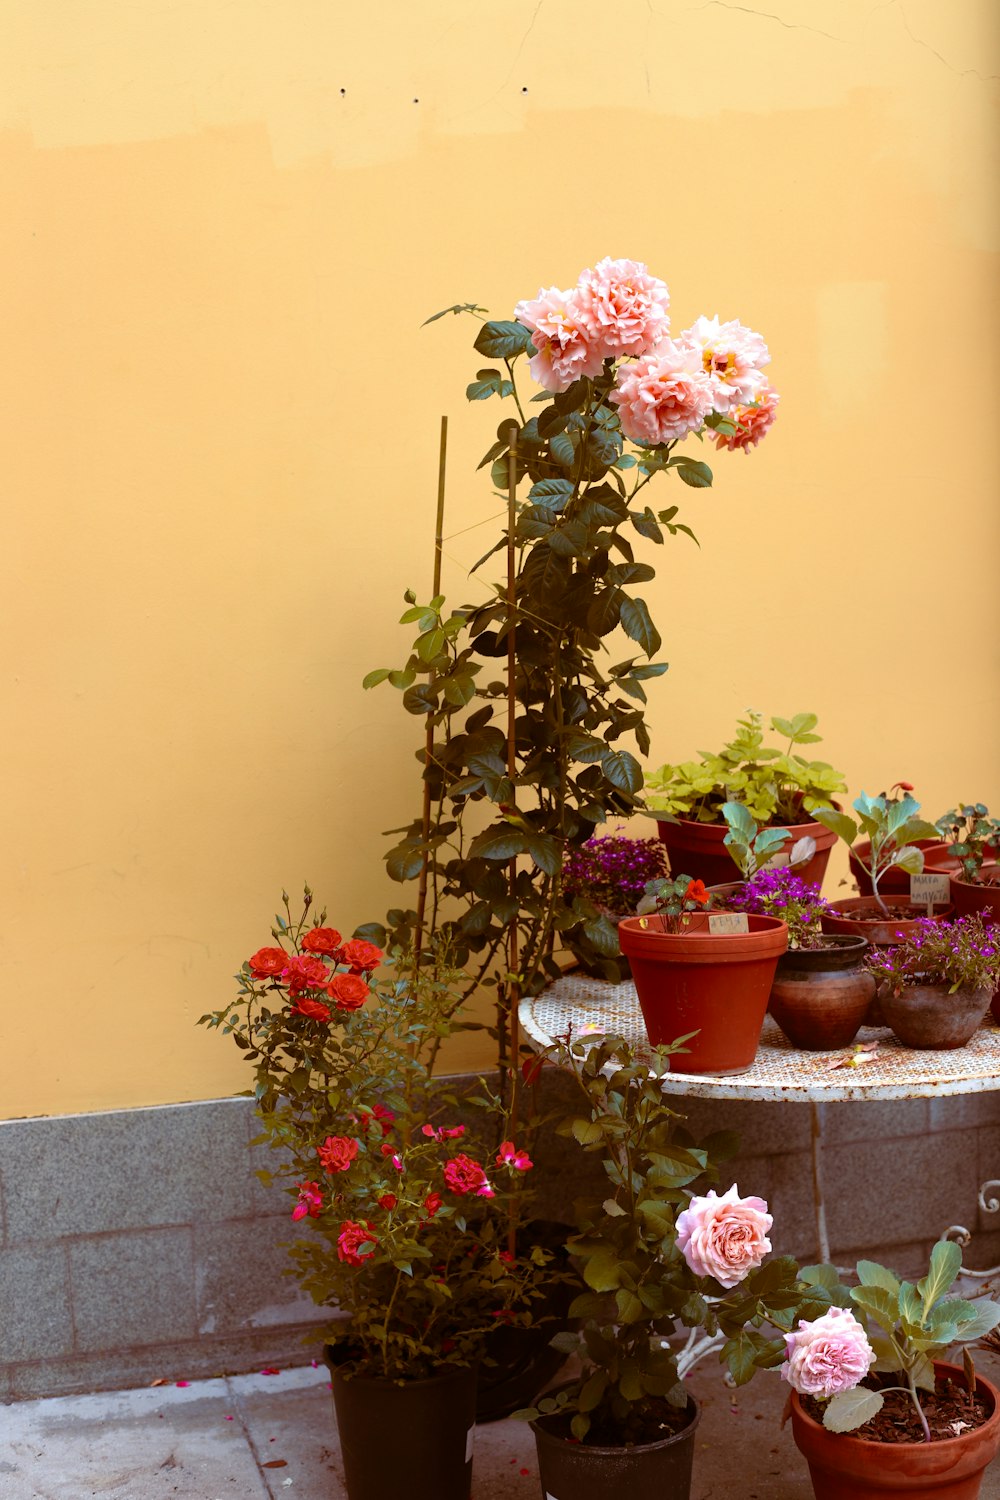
(430, 1274)
(750, 847)
(674, 900)
(775, 785)
(892, 827)
(974, 837)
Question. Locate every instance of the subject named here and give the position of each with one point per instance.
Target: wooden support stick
(418, 941)
(513, 987)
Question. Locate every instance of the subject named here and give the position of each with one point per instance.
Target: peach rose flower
(627, 307)
(662, 396)
(829, 1355)
(751, 422)
(731, 355)
(724, 1237)
(565, 336)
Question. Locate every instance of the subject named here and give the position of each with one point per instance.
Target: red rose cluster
(310, 971)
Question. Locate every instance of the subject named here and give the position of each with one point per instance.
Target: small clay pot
(820, 996)
(861, 916)
(927, 1016)
(981, 898)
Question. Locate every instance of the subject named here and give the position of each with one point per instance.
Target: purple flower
(613, 871)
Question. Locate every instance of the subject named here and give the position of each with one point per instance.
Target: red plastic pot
(844, 1467)
(698, 850)
(714, 984)
(896, 882)
(984, 899)
(860, 916)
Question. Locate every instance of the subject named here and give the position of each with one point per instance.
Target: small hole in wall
(343, 93)
(416, 101)
(524, 91)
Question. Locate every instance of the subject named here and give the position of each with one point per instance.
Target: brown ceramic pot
(844, 1467)
(860, 916)
(927, 1016)
(820, 996)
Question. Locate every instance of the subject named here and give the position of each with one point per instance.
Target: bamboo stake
(513, 986)
(418, 942)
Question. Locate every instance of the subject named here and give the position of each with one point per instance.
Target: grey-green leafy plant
(908, 1327)
(892, 828)
(753, 848)
(776, 785)
(639, 1285)
(974, 837)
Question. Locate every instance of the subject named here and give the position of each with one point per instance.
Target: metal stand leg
(963, 1236)
(816, 1142)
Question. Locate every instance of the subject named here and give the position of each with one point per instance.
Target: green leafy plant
(907, 1327)
(892, 828)
(753, 848)
(504, 808)
(409, 1226)
(645, 1268)
(974, 837)
(776, 785)
(675, 900)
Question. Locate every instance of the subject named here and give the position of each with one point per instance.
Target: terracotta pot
(926, 1016)
(650, 1471)
(698, 850)
(896, 882)
(723, 892)
(432, 1423)
(820, 996)
(714, 984)
(844, 1467)
(984, 899)
(859, 916)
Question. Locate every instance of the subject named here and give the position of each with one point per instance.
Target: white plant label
(470, 1438)
(927, 888)
(728, 921)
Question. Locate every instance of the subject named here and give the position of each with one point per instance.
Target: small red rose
(314, 1009)
(463, 1175)
(356, 1242)
(337, 1152)
(267, 962)
(360, 955)
(388, 1200)
(310, 1201)
(307, 973)
(433, 1203)
(321, 940)
(348, 991)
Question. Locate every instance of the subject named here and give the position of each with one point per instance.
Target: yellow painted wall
(222, 227)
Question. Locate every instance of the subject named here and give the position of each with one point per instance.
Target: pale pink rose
(565, 336)
(724, 1237)
(627, 306)
(751, 422)
(829, 1355)
(662, 396)
(731, 355)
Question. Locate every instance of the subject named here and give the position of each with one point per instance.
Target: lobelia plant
(655, 1254)
(783, 894)
(612, 872)
(964, 955)
(619, 395)
(408, 1226)
(974, 837)
(892, 828)
(886, 1331)
(775, 785)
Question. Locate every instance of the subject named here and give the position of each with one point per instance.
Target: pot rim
(348, 1372)
(674, 820)
(940, 1445)
(616, 1452)
(977, 885)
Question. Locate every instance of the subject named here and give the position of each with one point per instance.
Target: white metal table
(578, 1006)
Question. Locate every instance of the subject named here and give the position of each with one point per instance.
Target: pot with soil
(699, 848)
(821, 995)
(713, 984)
(930, 1016)
(651, 1470)
(877, 1462)
(880, 923)
(982, 895)
(938, 860)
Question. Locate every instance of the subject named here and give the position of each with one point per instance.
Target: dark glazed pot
(412, 1439)
(845, 1467)
(926, 1016)
(820, 996)
(649, 1471)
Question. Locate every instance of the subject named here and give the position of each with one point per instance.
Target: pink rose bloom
(356, 1243)
(827, 1356)
(731, 355)
(565, 336)
(627, 307)
(724, 1237)
(463, 1175)
(751, 422)
(310, 1201)
(662, 396)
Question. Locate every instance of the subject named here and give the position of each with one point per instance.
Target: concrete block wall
(138, 1244)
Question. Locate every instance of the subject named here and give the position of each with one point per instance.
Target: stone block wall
(138, 1244)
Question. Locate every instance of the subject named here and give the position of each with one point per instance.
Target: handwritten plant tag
(929, 889)
(727, 922)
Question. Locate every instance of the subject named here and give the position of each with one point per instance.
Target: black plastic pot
(411, 1439)
(651, 1471)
